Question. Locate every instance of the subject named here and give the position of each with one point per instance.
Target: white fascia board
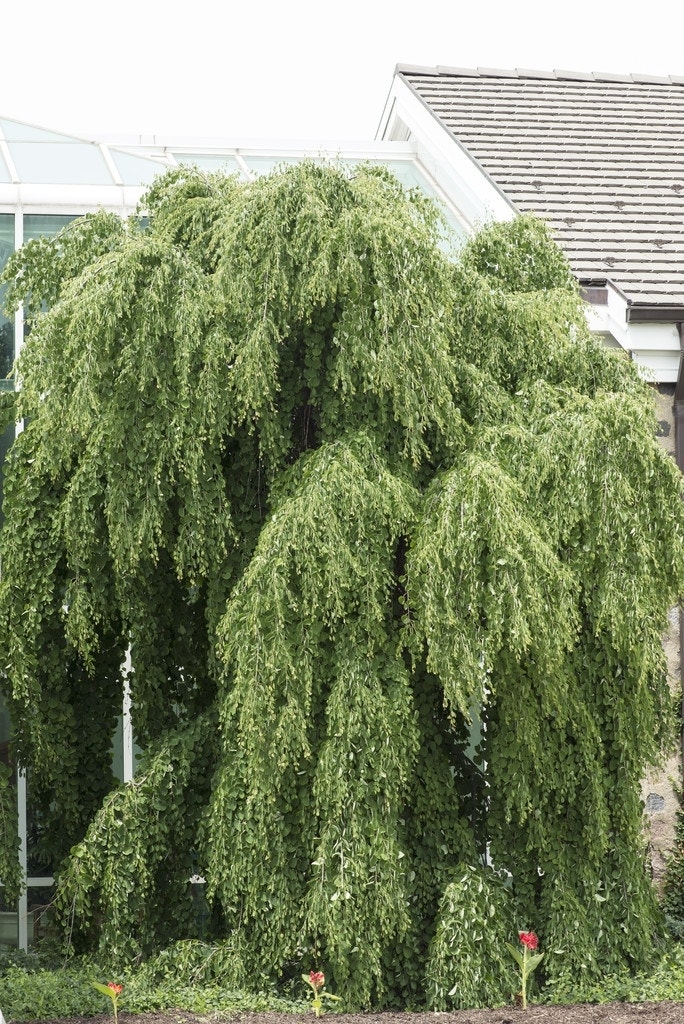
(654, 337)
(610, 317)
(70, 198)
(465, 183)
(659, 367)
(9, 198)
(328, 149)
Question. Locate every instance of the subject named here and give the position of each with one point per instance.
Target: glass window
(40, 862)
(6, 441)
(17, 131)
(118, 750)
(210, 161)
(136, 170)
(9, 924)
(6, 355)
(42, 225)
(264, 164)
(408, 174)
(40, 913)
(4, 173)
(6, 323)
(4, 733)
(200, 907)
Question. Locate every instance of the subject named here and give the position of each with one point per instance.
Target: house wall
(658, 792)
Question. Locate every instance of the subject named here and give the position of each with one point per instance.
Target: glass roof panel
(16, 131)
(210, 161)
(456, 235)
(4, 173)
(408, 174)
(405, 171)
(60, 163)
(45, 157)
(136, 170)
(264, 164)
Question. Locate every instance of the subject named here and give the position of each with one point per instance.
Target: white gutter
(652, 345)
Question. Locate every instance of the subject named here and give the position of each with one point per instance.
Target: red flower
(317, 979)
(529, 939)
(116, 989)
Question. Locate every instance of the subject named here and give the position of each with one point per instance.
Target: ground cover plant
(391, 545)
(156, 994)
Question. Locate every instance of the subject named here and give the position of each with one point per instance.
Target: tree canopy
(391, 544)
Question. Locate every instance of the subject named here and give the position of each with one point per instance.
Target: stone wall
(660, 799)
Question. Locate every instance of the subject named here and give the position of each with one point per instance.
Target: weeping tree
(390, 544)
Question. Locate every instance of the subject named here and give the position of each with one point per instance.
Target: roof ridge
(632, 78)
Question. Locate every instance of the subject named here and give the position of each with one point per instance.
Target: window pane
(17, 131)
(41, 917)
(9, 923)
(136, 170)
(4, 173)
(118, 751)
(40, 225)
(61, 163)
(209, 161)
(40, 862)
(265, 164)
(4, 733)
(6, 324)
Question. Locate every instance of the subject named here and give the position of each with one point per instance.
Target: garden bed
(584, 1013)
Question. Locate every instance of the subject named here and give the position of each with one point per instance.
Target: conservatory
(46, 180)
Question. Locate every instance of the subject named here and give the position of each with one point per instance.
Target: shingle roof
(599, 156)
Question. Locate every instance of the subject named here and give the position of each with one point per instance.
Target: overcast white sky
(303, 69)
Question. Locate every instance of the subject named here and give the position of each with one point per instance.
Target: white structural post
(127, 721)
(23, 858)
(21, 775)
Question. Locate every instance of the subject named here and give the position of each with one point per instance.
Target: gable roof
(599, 156)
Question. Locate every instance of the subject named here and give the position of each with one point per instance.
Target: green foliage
(48, 955)
(673, 886)
(148, 830)
(391, 543)
(188, 976)
(663, 982)
(191, 962)
(10, 871)
(517, 257)
(202, 977)
(43, 994)
(468, 964)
